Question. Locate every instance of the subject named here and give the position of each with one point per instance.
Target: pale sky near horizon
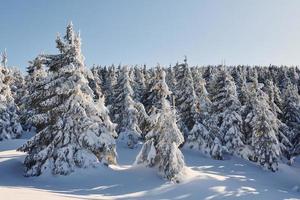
(254, 32)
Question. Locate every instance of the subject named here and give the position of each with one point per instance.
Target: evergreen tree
(10, 126)
(95, 81)
(200, 137)
(264, 127)
(151, 99)
(13, 78)
(4, 59)
(170, 78)
(275, 102)
(239, 75)
(77, 132)
(185, 97)
(148, 75)
(126, 112)
(291, 116)
(226, 119)
(109, 82)
(36, 74)
(162, 142)
(139, 85)
(274, 95)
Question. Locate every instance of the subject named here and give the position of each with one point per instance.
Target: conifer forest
(71, 119)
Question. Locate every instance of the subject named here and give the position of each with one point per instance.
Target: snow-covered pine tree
(239, 75)
(17, 84)
(291, 116)
(264, 128)
(208, 74)
(4, 59)
(125, 111)
(36, 74)
(139, 85)
(10, 126)
(131, 73)
(162, 142)
(199, 137)
(185, 97)
(77, 131)
(170, 78)
(226, 120)
(13, 78)
(148, 75)
(95, 81)
(274, 95)
(293, 75)
(152, 97)
(109, 78)
(282, 78)
(275, 102)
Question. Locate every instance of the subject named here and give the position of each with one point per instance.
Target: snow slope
(207, 179)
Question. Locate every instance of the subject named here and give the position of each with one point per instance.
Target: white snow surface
(208, 179)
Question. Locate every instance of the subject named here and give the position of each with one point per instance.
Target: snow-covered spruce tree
(77, 132)
(139, 85)
(275, 102)
(152, 97)
(197, 78)
(95, 81)
(162, 142)
(148, 75)
(17, 84)
(13, 78)
(10, 126)
(291, 116)
(109, 82)
(36, 75)
(4, 59)
(36, 71)
(239, 75)
(170, 78)
(282, 78)
(125, 110)
(293, 75)
(202, 95)
(264, 127)
(274, 95)
(226, 120)
(208, 74)
(185, 97)
(199, 137)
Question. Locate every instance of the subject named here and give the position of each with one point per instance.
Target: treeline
(78, 113)
(251, 112)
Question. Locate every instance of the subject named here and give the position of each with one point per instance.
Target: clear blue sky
(151, 31)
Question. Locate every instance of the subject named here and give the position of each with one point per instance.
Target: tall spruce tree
(226, 119)
(162, 142)
(139, 84)
(77, 132)
(291, 116)
(170, 78)
(126, 112)
(95, 81)
(264, 128)
(36, 75)
(200, 138)
(4, 59)
(109, 78)
(10, 127)
(185, 97)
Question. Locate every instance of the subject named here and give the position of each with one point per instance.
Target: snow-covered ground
(207, 179)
